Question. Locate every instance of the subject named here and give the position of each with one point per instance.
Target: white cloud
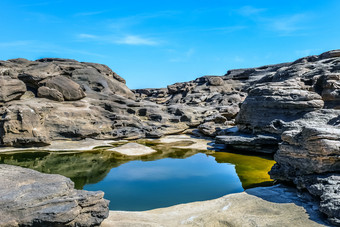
(288, 25)
(15, 43)
(250, 11)
(87, 36)
(136, 40)
(119, 39)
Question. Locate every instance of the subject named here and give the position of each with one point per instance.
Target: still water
(169, 177)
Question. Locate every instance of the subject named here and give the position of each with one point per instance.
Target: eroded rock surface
(271, 206)
(37, 199)
(291, 108)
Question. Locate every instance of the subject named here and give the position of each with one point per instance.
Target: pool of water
(169, 177)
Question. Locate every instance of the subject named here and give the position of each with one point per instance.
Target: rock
(50, 93)
(269, 106)
(67, 87)
(10, 89)
(215, 81)
(326, 187)
(30, 198)
(208, 129)
(217, 118)
(269, 206)
(133, 149)
(21, 125)
(310, 146)
(247, 142)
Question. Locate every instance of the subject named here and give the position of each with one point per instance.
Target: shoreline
(261, 206)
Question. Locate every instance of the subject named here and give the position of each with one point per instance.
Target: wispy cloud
(81, 14)
(136, 40)
(250, 11)
(287, 25)
(123, 23)
(15, 43)
(87, 36)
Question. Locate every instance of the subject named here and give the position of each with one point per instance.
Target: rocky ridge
(290, 109)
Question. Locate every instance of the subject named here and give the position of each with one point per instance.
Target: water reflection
(168, 177)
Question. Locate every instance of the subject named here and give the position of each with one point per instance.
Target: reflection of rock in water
(85, 167)
(252, 170)
(82, 168)
(92, 166)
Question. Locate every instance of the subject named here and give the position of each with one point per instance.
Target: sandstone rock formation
(37, 199)
(291, 109)
(67, 99)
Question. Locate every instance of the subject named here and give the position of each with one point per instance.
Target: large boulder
(67, 87)
(10, 89)
(30, 198)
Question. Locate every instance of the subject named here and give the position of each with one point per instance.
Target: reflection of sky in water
(138, 185)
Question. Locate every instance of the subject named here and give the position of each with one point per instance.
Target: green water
(168, 177)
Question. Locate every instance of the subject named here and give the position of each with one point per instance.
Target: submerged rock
(30, 198)
(133, 149)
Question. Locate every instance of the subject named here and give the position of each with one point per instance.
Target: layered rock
(11, 89)
(292, 108)
(37, 199)
(74, 100)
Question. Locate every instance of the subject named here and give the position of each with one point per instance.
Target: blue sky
(156, 43)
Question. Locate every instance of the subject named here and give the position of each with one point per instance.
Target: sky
(154, 43)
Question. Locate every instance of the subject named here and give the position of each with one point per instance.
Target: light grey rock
(133, 149)
(326, 187)
(21, 125)
(30, 198)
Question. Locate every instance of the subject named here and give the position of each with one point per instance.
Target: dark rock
(30, 198)
(247, 142)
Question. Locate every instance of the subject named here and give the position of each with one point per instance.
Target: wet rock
(133, 149)
(30, 198)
